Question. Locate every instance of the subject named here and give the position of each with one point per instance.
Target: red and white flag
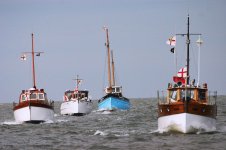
(171, 41)
(179, 79)
(182, 72)
(181, 76)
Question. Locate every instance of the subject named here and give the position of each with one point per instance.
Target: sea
(135, 129)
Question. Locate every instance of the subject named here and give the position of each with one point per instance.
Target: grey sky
(71, 35)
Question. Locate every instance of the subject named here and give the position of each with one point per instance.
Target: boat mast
(77, 82)
(113, 69)
(188, 34)
(108, 51)
(33, 62)
(188, 58)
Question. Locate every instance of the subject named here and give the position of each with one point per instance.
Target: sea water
(133, 129)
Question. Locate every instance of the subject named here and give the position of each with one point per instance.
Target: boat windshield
(202, 94)
(41, 96)
(23, 97)
(33, 96)
(173, 95)
(189, 94)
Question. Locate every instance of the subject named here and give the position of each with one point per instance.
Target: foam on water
(10, 123)
(61, 120)
(102, 133)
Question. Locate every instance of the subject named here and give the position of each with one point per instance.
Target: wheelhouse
(73, 95)
(33, 94)
(182, 93)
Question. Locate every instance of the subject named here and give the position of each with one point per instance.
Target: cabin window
(202, 94)
(117, 90)
(41, 96)
(69, 95)
(173, 95)
(33, 96)
(23, 97)
(189, 94)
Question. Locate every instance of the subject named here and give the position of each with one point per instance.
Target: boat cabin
(117, 90)
(75, 95)
(189, 93)
(33, 94)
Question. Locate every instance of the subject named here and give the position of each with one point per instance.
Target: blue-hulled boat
(113, 99)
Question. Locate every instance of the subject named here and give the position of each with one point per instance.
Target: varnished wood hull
(192, 108)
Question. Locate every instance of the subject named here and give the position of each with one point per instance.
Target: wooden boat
(187, 107)
(113, 99)
(33, 106)
(76, 102)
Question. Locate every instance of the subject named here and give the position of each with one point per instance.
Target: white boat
(33, 106)
(76, 102)
(187, 107)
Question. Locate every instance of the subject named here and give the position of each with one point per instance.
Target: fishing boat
(33, 106)
(76, 102)
(113, 99)
(187, 107)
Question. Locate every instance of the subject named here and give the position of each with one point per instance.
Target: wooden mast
(109, 65)
(33, 62)
(113, 69)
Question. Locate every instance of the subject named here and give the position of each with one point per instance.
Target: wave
(102, 133)
(10, 123)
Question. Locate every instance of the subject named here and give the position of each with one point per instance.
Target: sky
(71, 35)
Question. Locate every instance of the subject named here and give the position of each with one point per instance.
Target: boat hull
(113, 103)
(33, 114)
(76, 108)
(186, 123)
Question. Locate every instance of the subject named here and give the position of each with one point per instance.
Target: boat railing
(212, 97)
(162, 97)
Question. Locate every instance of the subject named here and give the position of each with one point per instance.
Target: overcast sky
(70, 34)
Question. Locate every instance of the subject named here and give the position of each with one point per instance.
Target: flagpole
(199, 42)
(175, 59)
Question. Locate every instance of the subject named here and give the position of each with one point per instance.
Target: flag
(171, 41)
(172, 50)
(179, 79)
(23, 57)
(79, 81)
(181, 76)
(182, 72)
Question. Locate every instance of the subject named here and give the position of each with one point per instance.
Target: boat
(76, 102)
(187, 107)
(33, 106)
(113, 99)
